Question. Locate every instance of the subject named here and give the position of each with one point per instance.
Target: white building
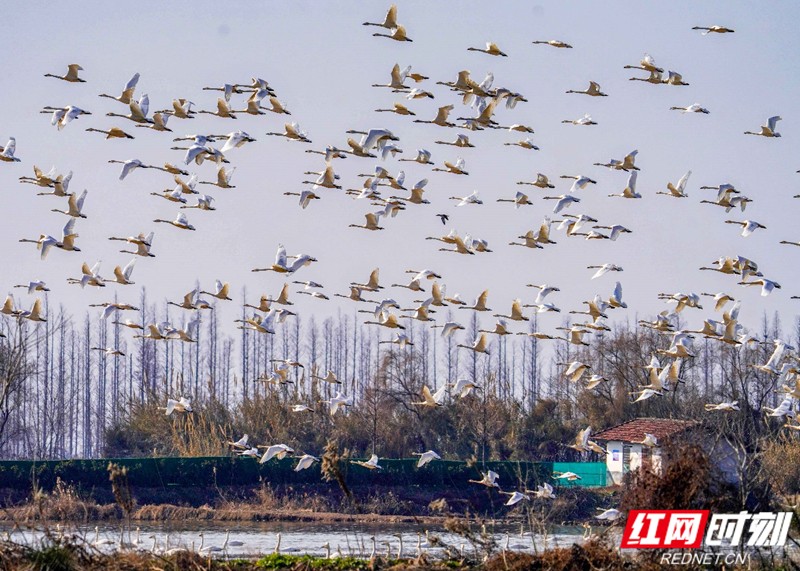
(626, 451)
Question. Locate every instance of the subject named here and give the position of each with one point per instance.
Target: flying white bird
(305, 461)
(564, 201)
(609, 515)
(604, 269)
(767, 130)
(425, 457)
(489, 479)
(678, 190)
(716, 29)
(371, 464)
(515, 497)
(463, 387)
(693, 108)
(748, 226)
(278, 451)
(7, 154)
(544, 491)
(182, 405)
(724, 406)
(432, 399)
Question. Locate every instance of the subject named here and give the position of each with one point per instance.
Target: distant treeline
(60, 398)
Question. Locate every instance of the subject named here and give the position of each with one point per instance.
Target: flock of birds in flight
(483, 98)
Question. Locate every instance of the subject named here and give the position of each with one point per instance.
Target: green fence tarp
(593, 474)
(227, 471)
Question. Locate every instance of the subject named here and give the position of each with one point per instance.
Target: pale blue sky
(322, 61)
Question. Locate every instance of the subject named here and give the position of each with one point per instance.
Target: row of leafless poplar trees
(60, 394)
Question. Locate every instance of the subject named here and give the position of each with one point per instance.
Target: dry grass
(146, 431)
(73, 557)
(781, 461)
(317, 502)
(62, 504)
(69, 557)
(589, 556)
(593, 555)
(262, 504)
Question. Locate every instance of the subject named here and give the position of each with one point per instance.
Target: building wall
(635, 457)
(656, 461)
(614, 453)
(623, 457)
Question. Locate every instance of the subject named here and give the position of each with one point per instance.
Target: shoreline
(304, 503)
(593, 554)
(172, 513)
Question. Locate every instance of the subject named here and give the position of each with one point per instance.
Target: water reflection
(249, 539)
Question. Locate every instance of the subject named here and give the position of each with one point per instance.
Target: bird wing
(397, 79)
(684, 179)
(223, 176)
(582, 438)
(372, 218)
(160, 119)
(426, 394)
(632, 181)
(443, 113)
(618, 292)
(130, 87)
(144, 104)
(189, 298)
(127, 167)
(481, 343)
(193, 152)
(10, 147)
(391, 17)
(292, 129)
(128, 270)
(77, 205)
(280, 256)
(772, 122)
(373, 136)
(516, 308)
(221, 288)
(222, 107)
(270, 453)
(171, 406)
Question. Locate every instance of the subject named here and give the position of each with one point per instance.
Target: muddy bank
(168, 512)
(319, 502)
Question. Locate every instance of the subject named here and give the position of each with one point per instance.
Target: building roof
(634, 430)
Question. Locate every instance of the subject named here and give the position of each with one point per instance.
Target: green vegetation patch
(281, 561)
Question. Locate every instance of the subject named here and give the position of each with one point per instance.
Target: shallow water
(259, 538)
